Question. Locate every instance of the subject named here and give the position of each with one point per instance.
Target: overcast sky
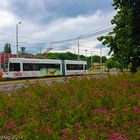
(44, 21)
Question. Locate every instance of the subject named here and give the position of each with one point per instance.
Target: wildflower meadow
(81, 108)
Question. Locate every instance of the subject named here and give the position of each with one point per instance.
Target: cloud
(43, 11)
(101, 46)
(64, 29)
(51, 20)
(7, 19)
(4, 4)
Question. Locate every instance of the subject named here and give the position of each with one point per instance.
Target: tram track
(23, 80)
(33, 79)
(10, 84)
(14, 84)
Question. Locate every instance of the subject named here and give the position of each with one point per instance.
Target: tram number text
(17, 74)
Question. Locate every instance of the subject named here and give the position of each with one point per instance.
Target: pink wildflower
(113, 110)
(75, 138)
(93, 127)
(100, 111)
(9, 126)
(137, 95)
(125, 110)
(117, 136)
(136, 109)
(90, 138)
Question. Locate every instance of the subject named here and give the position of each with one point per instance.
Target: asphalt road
(19, 84)
(9, 85)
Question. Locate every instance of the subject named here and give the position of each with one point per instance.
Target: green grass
(103, 108)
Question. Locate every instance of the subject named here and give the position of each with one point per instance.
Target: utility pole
(74, 51)
(0, 61)
(17, 36)
(101, 59)
(78, 48)
(91, 61)
(40, 50)
(51, 44)
(86, 54)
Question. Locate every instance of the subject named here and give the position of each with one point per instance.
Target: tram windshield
(4, 67)
(14, 67)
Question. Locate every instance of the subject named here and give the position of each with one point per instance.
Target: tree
(62, 56)
(71, 56)
(111, 63)
(7, 48)
(124, 40)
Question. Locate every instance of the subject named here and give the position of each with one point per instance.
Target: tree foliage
(71, 56)
(7, 48)
(124, 40)
(112, 63)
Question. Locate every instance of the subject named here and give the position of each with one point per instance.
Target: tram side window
(52, 65)
(80, 67)
(42, 66)
(14, 67)
(74, 67)
(38, 67)
(30, 67)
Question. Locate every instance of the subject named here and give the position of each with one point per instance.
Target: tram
(25, 67)
(72, 67)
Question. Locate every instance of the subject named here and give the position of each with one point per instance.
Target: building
(5, 57)
(97, 66)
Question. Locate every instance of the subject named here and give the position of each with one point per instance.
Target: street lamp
(17, 36)
(86, 54)
(92, 59)
(78, 48)
(101, 65)
(80, 37)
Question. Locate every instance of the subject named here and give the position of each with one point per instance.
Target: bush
(84, 108)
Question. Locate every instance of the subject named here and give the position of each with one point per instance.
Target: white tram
(72, 67)
(25, 67)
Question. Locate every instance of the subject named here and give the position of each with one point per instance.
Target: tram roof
(31, 60)
(75, 62)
